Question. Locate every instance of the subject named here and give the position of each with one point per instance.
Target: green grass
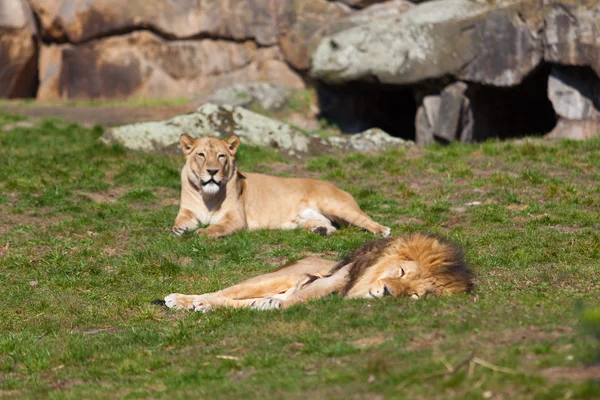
(90, 225)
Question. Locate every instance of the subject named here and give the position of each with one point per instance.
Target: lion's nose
(212, 171)
(386, 291)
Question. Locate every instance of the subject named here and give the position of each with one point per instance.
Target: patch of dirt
(11, 221)
(564, 229)
(368, 341)
(426, 341)
(67, 383)
(109, 196)
(408, 221)
(7, 393)
(101, 115)
(530, 334)
(295, 170)
(576, 374)
(241, 375)
(18, 124)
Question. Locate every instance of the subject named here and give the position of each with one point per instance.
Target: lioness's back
(271, 199)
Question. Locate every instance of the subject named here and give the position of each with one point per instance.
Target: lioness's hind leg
(315, 221)
(346, 209)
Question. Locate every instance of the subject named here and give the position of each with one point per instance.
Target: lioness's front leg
(228, 224)
(185, 221)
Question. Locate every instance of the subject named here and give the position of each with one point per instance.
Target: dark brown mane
(361, 259)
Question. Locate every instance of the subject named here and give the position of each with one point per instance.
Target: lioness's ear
(186, 143)
(233, 142)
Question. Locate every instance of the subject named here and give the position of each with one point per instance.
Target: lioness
(415, 266)
(215, 192)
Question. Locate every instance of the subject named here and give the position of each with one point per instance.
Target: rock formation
(18, 50)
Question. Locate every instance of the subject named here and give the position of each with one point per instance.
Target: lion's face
(210, 161)
(413, 281)
(400, 280)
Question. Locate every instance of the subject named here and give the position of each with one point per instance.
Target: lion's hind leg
(311, 288)
(280, 283)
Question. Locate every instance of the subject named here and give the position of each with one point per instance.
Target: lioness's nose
(212, 171)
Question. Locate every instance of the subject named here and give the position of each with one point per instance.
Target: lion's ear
(233, 143)
(186, 142)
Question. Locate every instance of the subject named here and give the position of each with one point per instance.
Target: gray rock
(266, 95)
(575, 130)
(209, 120)
(574, 92)
(371, 140)
(572, 33)
(462, 38)
(447, 115)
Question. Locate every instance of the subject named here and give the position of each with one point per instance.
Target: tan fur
(414, 266)
(237, 200)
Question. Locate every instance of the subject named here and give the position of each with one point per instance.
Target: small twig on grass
(451, 371)
(471, 360)
(483, 363)
(226, 357)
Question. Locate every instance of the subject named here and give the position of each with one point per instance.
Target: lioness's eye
(401, 272)
(200, 154)
(221, 155)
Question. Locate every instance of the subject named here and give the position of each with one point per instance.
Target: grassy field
(85, 247)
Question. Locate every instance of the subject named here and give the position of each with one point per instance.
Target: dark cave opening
(356, 107)
(497, 112)
(517, 111)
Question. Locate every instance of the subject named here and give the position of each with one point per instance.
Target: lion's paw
(268, 303)
(171, 301)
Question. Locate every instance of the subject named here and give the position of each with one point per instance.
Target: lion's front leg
(182, 301)
(204, 302)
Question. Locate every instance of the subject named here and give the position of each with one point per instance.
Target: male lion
(415, 266)
(215, 192)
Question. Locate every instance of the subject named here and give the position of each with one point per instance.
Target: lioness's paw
(177, 231)
(268, 303)
(384, 231)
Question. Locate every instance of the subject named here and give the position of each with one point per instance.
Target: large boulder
(575, 96)
(372, 140)
(209, 120)
(383, 10)
(18, 49)
(574, 92)
(288, 23)
(493, 43)
(572, 33)
(267, 96)
(447, 116)
(143, 64)
(300, 22)
(77, 21)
